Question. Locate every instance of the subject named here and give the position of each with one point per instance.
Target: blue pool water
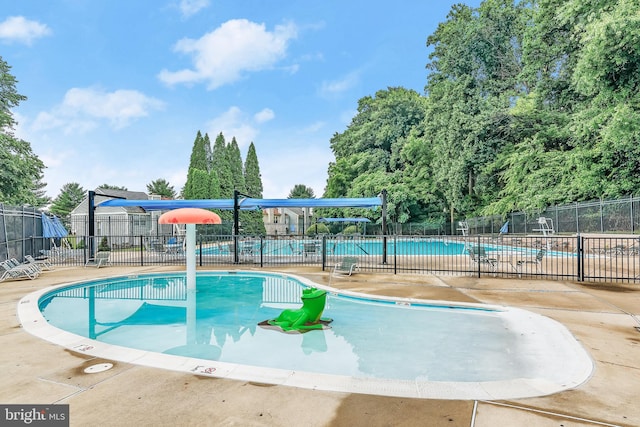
(343, 247)
(368, 338)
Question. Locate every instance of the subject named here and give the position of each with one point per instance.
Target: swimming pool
(285, 247)
(384, 346)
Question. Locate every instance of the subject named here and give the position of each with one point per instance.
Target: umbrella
(190, 217)
(60, 229)
(505, 228)
(52, 228)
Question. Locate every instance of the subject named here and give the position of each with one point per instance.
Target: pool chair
(537, 261)
(22, 271)
(43, 263)
(479, 257)
(101, 259)
(346, 267)
(311, 249)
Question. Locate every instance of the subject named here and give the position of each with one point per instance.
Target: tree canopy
(21, 173)
(527, 104)
(162, 188)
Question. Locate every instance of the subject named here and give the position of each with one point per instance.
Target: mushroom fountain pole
(190, 217)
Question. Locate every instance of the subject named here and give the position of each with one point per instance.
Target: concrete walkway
(603, 318)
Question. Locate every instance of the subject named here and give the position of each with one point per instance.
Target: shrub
(104, 245)
(317, 229)
(351, 229)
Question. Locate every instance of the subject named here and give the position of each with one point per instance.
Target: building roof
(102, 195)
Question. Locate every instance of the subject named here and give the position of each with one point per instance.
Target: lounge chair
(101, 259)
(346, 267)
(537, 261)
(310, 249)
(43, 263)
(36, 269)
(479, 256)
(21, 271)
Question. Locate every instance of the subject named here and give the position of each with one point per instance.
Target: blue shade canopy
(344, 220)
(52, 227)
(246, 203)
(505, 228)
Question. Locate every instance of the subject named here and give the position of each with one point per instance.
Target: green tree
(301, 191)
(473, 80)
(207, 150)
(162, 188)
(197, 162)
(369, 153)
(113, 187)
(70, 196)
(234, 159)
(199, 184)
(220, 164)
(252, 220)
(22, 171)
(199, 156)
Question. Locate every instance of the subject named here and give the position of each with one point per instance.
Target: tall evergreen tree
(197, 161)
(207, 151)
(220, 165)
(252, 176)
(235, 165)
(199, 158)
(252, 220)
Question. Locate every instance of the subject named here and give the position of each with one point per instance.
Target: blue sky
(117, 89)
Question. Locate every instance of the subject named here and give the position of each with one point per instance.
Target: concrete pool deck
(603, 318)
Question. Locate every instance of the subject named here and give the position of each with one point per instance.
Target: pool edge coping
(34, 323)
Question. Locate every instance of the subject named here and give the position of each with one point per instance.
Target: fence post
(261, 252)
(580, 260)
(395, 252)
(477, 250)
(632, 222)
(601, 217)
(141, 251)
(324, 250)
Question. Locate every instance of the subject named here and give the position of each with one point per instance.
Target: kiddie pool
(385, 346)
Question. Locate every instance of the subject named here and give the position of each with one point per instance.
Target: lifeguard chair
(463, 226)
(546, 226)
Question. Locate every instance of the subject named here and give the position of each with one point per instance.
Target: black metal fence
(599, 216)
(572, 258)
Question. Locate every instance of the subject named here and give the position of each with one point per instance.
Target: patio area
(604, 318)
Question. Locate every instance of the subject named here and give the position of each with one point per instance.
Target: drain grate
(101, 367)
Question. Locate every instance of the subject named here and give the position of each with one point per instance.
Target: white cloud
(264, 116)
(336, 87)
(21, 30)
(224, 55)
(191, 7)
(83, 109)
(233, 122)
